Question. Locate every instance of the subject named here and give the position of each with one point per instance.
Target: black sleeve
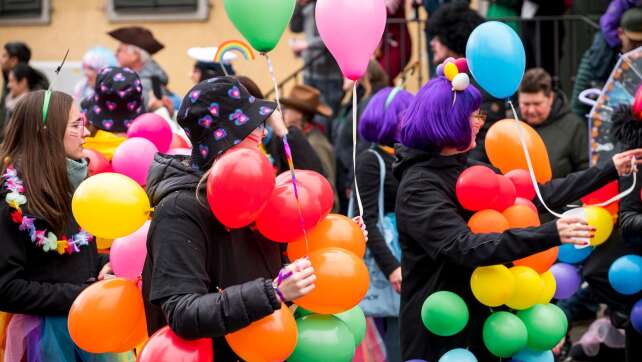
(296, 23)
(303, 155)
(431, 218)
(180, 282)
(20, 295)
(101, 260)
(368, 180)
(560, 192)
(631, 210)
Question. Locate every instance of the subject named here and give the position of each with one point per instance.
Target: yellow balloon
(550, 285)
(492, 285)
(450, 71)
(110, 205)
(103, 244)
(528, 288)
(602, 221)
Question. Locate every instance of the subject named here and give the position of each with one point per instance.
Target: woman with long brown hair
(46, 259)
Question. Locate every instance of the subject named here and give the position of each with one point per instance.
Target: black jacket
(304, 156)
(368, 174)
(200, 278)
(440, 252)
(36, 282)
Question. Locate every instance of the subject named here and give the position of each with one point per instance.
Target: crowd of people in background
(123, 83)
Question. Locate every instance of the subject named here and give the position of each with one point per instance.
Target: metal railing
(555, 43)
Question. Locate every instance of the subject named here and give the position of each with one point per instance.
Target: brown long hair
(37, 151)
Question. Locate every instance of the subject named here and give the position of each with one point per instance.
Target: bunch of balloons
(455, 70)
(329, 337)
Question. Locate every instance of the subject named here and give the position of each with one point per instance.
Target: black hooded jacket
(203, 280)
(440, 252)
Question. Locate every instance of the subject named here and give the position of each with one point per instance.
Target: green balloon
(504, 334)
(356, 322)
(444, 313)
(262, 22)
(323, 338)
(301, 312)
(546, 325)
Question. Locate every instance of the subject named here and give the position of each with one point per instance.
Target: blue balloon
(528, 355)
(568, 253)
(636, 316)
(458, 355)
(496, 58)
(625, 274)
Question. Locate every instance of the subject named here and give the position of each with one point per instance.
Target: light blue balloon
(569, 254)
(528, 355)
(458, 355)
(496, 58)
(625, 274)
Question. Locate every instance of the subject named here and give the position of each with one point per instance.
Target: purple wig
(379, 122)
(432, 122)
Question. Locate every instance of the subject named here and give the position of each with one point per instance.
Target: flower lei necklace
(47, 240)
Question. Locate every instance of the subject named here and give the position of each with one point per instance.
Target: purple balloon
(636, 316)
(440, 72)
(567, 279)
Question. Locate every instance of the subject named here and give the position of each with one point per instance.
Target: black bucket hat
(117, 100)
(218, 114)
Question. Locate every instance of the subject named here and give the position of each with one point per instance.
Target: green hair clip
(391, 96)
(48, 92)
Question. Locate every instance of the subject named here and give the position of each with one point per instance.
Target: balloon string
(288, 155)
(354, 147)
(288, 151)
(531, 170)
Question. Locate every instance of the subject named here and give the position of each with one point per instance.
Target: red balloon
(523, 184)
(637, 103)
(507, 194)
(97, 162)
(239, 186)
(477, 188)
(166, 346)
(279, 221)
(315, 182)
(178, 142)
(602, 194)
(523, 201)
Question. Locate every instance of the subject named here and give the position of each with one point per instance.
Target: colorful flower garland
(47, 240)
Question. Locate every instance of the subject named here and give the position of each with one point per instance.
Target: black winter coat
(36, 282)
(440, 252)
(203, 280)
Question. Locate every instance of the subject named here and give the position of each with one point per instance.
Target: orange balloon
(541, 261)
(270, 339)
(505, 151)
(521, 216)
(342, 281)
(488, 221)
(108, 316)
(334, 231)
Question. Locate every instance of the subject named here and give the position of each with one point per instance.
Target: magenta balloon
(154, 128)
(180, 151)
(127, 254)
(133, 158)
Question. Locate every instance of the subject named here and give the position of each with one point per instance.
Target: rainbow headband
(233, 45)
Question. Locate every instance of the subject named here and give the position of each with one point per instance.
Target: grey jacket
(325, 67)
(151, 68)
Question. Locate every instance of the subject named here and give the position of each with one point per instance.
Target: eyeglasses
(479, 116)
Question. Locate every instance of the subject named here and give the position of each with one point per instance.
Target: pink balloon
(133, 158)
(180, 151)
(352, 31)
(154, 128)
(127, 254)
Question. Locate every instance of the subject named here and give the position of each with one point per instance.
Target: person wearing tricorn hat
(135, 50)
(201, 278)
(303, 103)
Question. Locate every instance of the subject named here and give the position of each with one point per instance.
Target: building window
(24, 12)
(155, 10)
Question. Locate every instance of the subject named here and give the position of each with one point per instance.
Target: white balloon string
(277, 95)
(531, 170)
(354, 147)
